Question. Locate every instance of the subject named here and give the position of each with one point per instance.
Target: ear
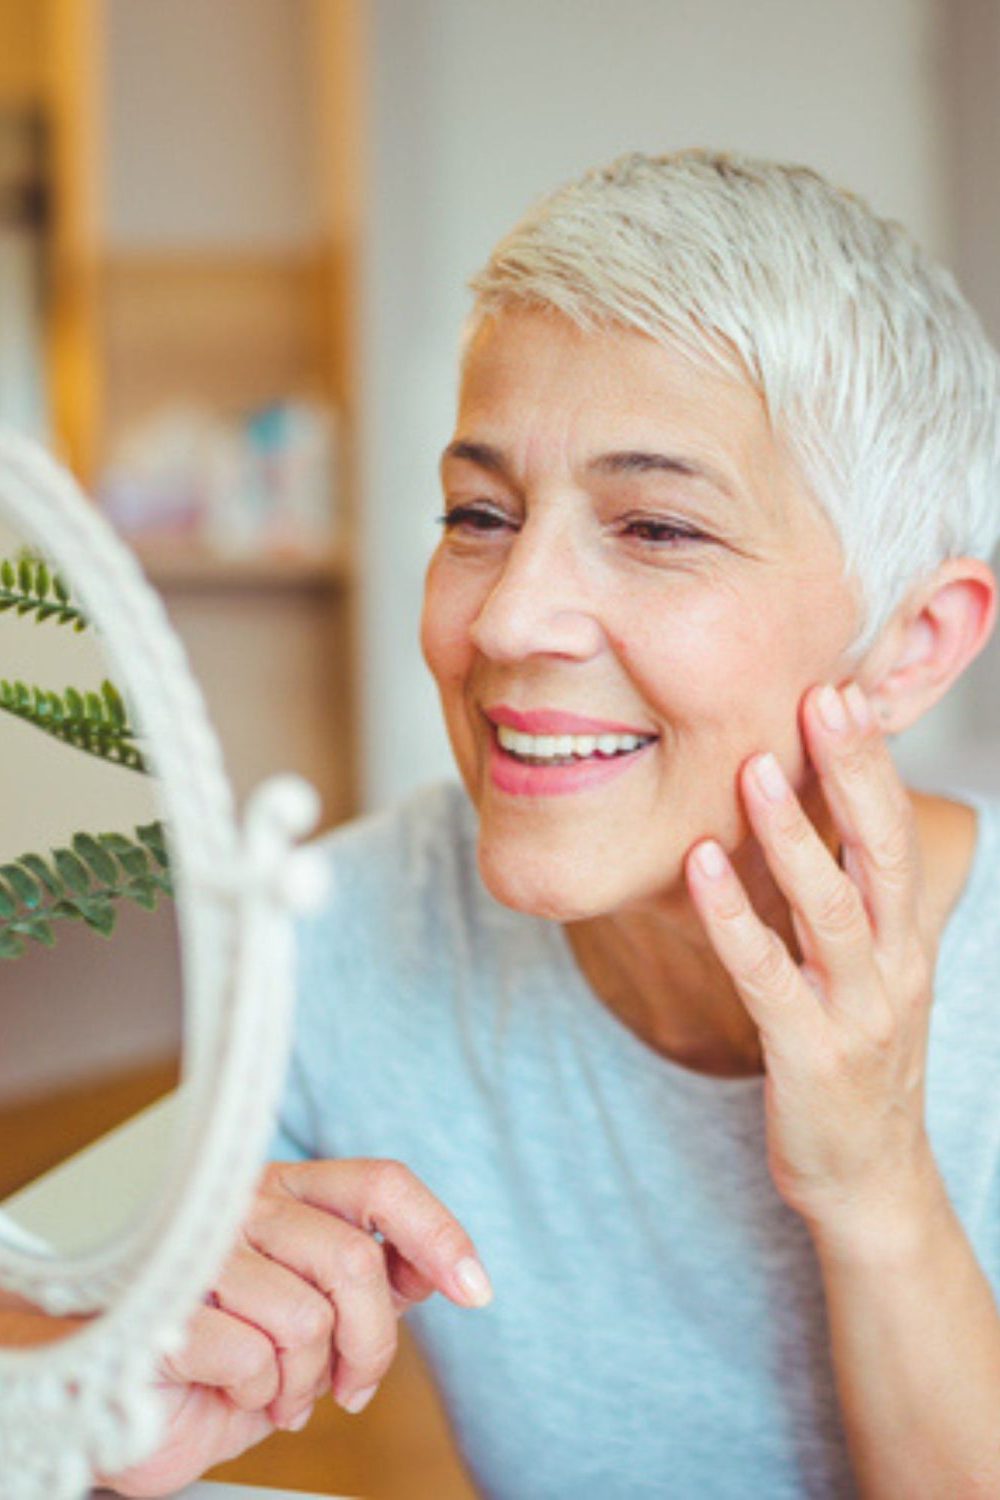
(940, 628)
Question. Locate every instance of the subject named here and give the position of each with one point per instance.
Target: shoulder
(404, 888)
(960, 839)
(433, 825)
(949, 836)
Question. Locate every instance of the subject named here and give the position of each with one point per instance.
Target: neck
(654, 967)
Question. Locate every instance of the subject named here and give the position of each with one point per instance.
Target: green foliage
(85, 881)
(30, 587)
(95, 722)
(81, 883)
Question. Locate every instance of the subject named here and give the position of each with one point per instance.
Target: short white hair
(873, 368)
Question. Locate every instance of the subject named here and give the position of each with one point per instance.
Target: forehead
(546, 394)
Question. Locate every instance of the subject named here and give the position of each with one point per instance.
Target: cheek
(444, 625)
(727, 678)
(694, 656)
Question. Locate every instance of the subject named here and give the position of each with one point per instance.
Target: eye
(473, 519)
(658, 532)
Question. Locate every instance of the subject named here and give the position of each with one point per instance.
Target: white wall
(478, 108)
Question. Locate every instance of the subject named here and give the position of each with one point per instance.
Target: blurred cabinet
(206, 193)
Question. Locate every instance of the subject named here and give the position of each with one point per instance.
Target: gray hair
(873, 368)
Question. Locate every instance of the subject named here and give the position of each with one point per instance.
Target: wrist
(890, 1225)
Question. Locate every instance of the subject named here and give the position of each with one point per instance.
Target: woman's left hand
(844, 1032)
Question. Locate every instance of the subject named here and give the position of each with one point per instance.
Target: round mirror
(125, 885)
(90, 984)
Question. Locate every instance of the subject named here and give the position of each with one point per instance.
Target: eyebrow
(628, 461)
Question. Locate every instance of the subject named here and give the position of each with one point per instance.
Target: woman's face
(632, 594)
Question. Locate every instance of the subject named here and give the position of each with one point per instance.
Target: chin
(556, 889)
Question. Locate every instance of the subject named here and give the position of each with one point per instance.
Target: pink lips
(519, 780)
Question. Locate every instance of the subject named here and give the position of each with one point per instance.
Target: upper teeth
(561, 746)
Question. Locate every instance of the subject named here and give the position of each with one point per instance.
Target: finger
(783, 1006)
(409, 1286)
(385, 1197)
(230, 1355)
(348, 1266)
(828, 910)
(204, 1429)
(872, 810)
(294, 1315)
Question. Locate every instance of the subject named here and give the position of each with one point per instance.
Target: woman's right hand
(329, 1257)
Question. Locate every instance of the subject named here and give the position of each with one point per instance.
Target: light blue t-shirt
(658, 1327)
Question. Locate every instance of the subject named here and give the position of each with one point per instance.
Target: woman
(648, 1004)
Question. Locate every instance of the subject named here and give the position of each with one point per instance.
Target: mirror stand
(87, 1403)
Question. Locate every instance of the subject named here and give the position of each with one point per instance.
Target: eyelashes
(653, 532)
(658, 532)
(474, 518)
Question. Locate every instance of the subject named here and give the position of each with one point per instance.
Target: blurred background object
(259, 219)
(23, 177)
(180, 323)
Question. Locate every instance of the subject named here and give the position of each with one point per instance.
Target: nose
(543, 602)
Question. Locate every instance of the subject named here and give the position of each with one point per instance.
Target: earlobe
(932, 640)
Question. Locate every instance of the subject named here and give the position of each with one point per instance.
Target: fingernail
(831, 709)
(770, 777)
(359, 1400)
(474, 1282)
(859, 706)
(296, 1423)
(711, 859)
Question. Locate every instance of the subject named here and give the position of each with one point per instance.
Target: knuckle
(834, 1060)
(309, 1321)
(269, 1180)
(264, 1210)
(882, 1032)
(837, 1063)
(840, 908)
(854, 763)
(272, 1188)
(892, 851)
(362, 1260)
(253, 1360)
(387, 1180)
(796, 829)
(766, 970)
(379, 1355)
(447, 1241)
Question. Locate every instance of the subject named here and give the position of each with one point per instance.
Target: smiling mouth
(567, 749)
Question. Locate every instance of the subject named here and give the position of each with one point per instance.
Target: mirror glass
(90, 973)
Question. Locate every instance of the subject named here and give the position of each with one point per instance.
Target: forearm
(915, 1341)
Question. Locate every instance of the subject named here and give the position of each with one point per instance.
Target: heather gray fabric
(658, 1328)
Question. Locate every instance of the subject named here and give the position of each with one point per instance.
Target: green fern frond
(81, 883)
(29, 586)
(94, 722)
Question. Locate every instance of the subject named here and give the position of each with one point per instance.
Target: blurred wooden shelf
(202, 307)
(172, 566)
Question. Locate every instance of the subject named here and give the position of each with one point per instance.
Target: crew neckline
(630, 1046)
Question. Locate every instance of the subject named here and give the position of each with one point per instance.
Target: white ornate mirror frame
(87, 1403)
